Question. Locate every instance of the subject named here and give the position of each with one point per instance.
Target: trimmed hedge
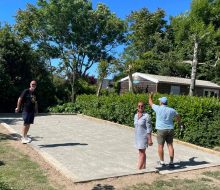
(201, 116)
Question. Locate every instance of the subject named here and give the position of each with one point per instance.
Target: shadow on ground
(12, 136)
(35, 138)
(12, 121)
(64, 144)
(183, 164)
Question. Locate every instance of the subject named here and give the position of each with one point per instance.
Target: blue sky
(121, 8)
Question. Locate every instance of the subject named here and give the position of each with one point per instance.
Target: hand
(181, 126)
(151, 94)
(16, 110)
(150, 142)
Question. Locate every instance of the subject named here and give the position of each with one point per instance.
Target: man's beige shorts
(165, 135)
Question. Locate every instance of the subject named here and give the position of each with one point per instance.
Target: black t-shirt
(28, 100)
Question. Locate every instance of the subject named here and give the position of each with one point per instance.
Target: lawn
(17, 171)
(209, 180)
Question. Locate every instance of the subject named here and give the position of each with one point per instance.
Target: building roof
(172, 80)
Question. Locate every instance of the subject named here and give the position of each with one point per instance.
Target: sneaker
(161, 164)
(25, 140)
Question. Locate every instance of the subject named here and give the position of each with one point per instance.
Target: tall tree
(142, 26)
(71, 31)
(145, 29)
(128, 63)
(103, 71)
(194, 29)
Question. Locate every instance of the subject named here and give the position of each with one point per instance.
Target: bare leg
(141, 159)
(144, 161)
(161, 152)
(171, 152)
(25, 130)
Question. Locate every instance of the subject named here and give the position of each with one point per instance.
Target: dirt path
(59, 181)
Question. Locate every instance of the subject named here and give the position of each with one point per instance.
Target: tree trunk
(130, 83)
(73, 87)
(194, 68)
(99, 87)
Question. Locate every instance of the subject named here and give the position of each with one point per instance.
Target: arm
(149, 139)
(149, 131)
(150, 101)
(178, 119)
(19, 102)
(17, 109)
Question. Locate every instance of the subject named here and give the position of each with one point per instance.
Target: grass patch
(215, 174)
(176, 184)
(18, 172)
(5, 186)
(206, 179)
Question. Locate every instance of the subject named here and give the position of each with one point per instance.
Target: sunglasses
(140, 106)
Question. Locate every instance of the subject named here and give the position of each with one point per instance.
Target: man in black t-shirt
(29, 102)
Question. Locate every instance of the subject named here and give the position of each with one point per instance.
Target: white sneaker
(161, 164)
(25, 140)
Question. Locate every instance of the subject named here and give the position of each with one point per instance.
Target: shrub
(67, 107)
(200, 115)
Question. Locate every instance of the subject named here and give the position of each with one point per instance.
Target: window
(175, 90)
(210, 93)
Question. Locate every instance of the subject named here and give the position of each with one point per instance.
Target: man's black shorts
(28, 117)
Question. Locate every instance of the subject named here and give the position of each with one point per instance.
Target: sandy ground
(59, 181)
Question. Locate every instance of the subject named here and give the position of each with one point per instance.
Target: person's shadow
(183, 164)
(11, 136)
(63, 144)
(12, 121)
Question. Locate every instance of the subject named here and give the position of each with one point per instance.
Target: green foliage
(62, 93)
(66, 107)
(19, 64)
(143, 25)
(205, 133)
(199, 25)
(83, 87)
(103, 72)
(200, 116)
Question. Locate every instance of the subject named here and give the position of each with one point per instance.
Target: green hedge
(201, 116)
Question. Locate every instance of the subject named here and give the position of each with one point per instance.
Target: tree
(194, 28)
(128, 63)
(103, 71)
(144, 31)
(153, 41)
(71, 31)
(19, 64)
(142, 28)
